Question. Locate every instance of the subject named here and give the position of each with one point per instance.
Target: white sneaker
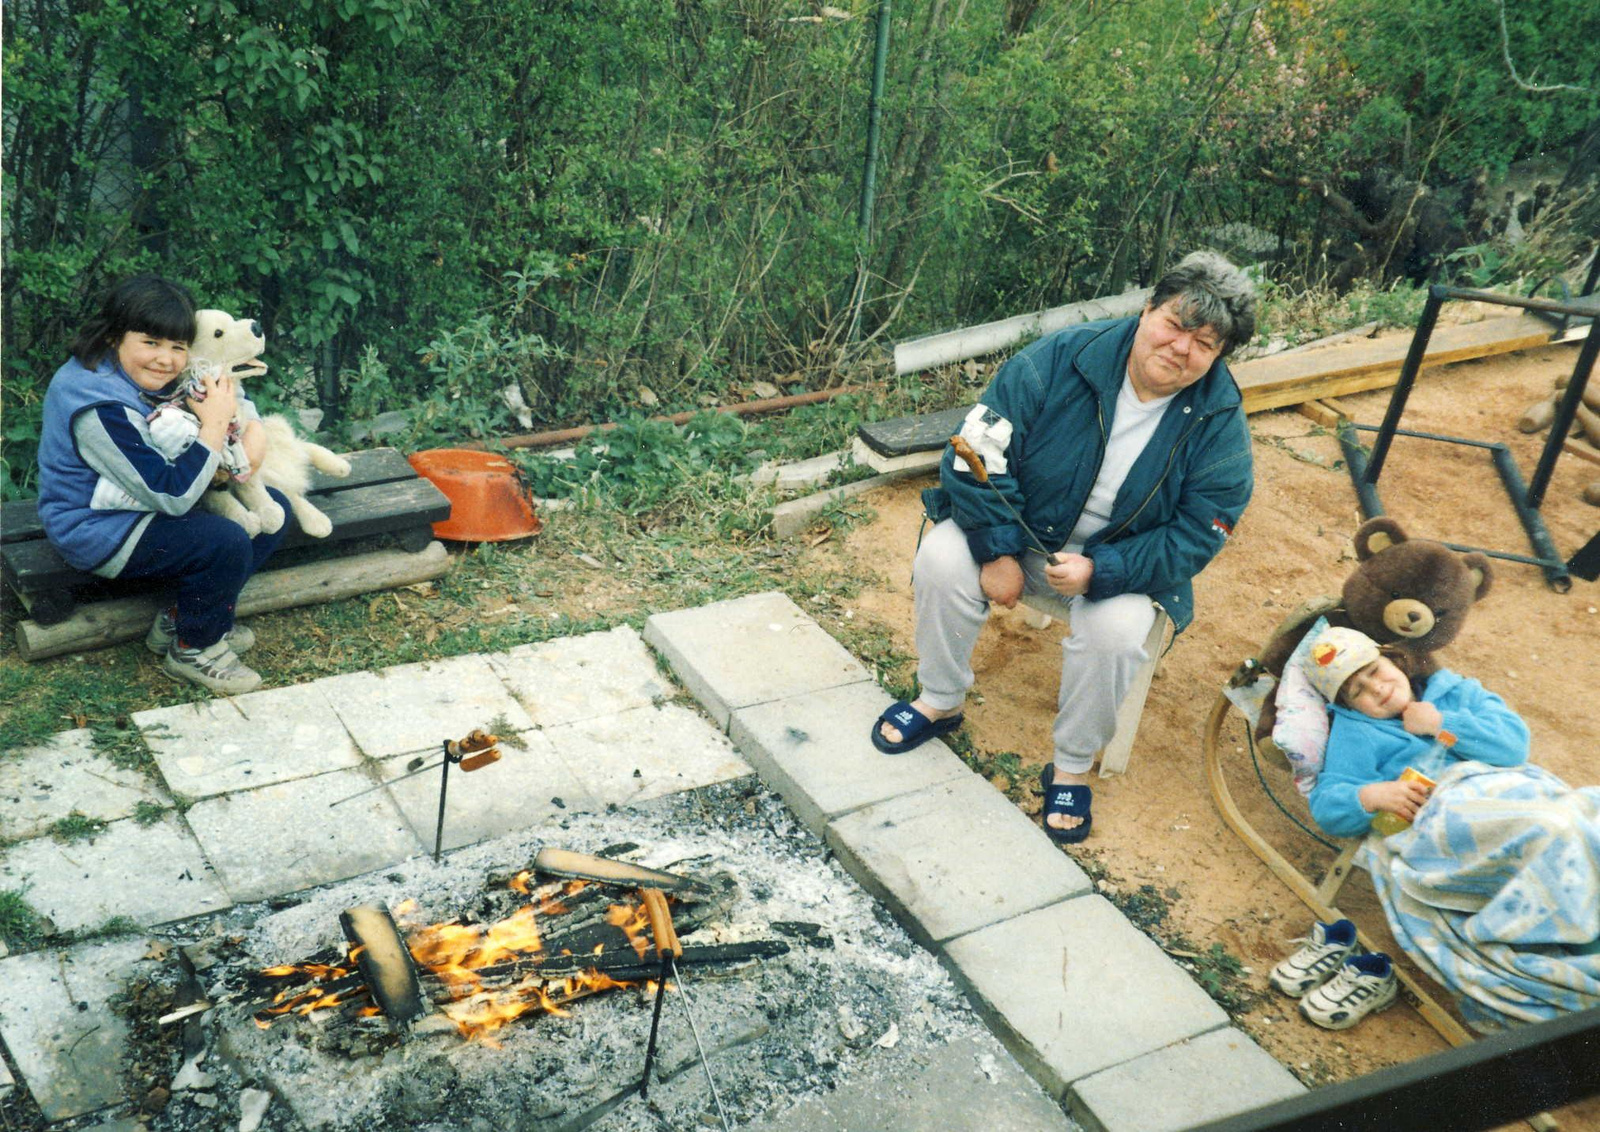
(1325, 951)
(214, 667)
(1364, 984)
(164, 630)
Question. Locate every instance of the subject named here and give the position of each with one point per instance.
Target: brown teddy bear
(1410, 593)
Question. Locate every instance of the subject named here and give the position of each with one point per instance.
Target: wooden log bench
(69, 611)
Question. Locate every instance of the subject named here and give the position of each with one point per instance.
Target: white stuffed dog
(224, 344)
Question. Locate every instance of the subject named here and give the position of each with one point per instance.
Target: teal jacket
(1182, 497)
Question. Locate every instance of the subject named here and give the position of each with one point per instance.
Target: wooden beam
(1581, 449)
(1283, 380)
(1319, 413)
(125, 619)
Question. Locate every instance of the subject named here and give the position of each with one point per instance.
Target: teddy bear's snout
(1408, 617)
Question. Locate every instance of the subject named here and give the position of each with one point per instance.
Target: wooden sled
(1321, 896)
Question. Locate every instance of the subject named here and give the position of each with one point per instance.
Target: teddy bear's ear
(1376, 535)
(1483, 578)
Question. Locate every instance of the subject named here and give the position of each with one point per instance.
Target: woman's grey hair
(1211, 292)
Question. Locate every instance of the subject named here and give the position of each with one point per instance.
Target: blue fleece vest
(86, 538)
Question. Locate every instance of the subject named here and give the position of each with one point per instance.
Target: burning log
(384, 962)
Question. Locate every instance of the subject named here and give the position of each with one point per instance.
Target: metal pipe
(1565, 411)
(1555, 570)
(1525, 302)
(444, 785)
(1408, 377)
(1356, 461)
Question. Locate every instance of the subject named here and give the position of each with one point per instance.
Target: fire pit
(484, 994)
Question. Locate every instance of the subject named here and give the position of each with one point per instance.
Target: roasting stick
(668, 947)
(981, 474)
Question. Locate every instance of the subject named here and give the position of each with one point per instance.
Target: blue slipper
(1070, 800)
(914, 727)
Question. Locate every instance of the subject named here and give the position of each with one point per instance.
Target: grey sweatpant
(1098, 661)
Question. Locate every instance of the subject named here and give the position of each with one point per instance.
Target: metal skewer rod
(705, 1063)
(981, 474)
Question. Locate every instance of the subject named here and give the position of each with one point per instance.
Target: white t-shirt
(1132, 425)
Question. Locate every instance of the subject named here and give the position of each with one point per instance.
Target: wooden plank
(371, 509)
(1319, 413)
(1282, 380)
(1581, 449)
(904, 435)
(125, 619)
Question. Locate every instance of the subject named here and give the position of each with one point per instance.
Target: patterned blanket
(1495, 892)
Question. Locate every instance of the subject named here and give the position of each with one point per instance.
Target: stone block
(814, 750)
(968, 1085)
(802, 475)
(952, 858)
(416, 707)
(41, 785)
(286, 837)
(750, 650)
(67, 1043)
(151, 874)
(524, 788)
(1075, 988)
(1206, 1078)
(645, 753)
(241, 742)
(573, 678)
(927, 460)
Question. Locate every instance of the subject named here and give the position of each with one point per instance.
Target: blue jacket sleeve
(1351, 764)
(1486, 729)
(1213, 500)
(115, 442)
(996, 429)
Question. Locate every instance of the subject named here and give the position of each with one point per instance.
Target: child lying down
(1495, 888)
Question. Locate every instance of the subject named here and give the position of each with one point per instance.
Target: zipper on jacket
(1161, 479)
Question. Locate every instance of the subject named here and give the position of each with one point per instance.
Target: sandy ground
(1157, 824)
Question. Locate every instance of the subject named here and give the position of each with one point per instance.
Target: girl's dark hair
(144, 304)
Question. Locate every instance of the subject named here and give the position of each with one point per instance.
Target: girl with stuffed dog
(114, 506)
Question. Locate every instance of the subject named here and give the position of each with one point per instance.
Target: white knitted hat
(1334, 657)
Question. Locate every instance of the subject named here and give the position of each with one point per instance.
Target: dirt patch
(1157, 830)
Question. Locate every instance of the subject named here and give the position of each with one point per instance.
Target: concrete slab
(789, 519)
(285, 837)
(1207, 1078)
(965, 1086)
(524, 788)
(67, 1043)
(573, 678)
(416, 707)
(239, 743)
(41, 785)
(814, 750)
(802, 475)
(151, 874)
(750, 650)
(909, 461)
(645, 753)
(953, 858)
(1075, 988)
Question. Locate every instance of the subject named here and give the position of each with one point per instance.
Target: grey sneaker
(215, 667)
(1364, 984)
(1314, 964)
(164, 630)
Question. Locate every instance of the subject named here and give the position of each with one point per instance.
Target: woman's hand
(1069, 574)
(1001, 581)
(215, 410)
(1401, 798)
(1421, 718)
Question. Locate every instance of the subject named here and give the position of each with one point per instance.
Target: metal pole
(444, 785)
(1408, 376)
(869, 173)
(1555, 571)
(1564, 414)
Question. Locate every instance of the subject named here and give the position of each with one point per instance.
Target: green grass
(146, 812)
(20, 926)
(77, 826)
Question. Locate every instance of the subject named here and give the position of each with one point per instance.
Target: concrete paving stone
(285, 837)
(152, 874)
(573, 678)
(645, 753)
(66, 1041)
(1075, 988)
(814, 750)
(964, 1086)
(952, 858)
(416, 707)
(238, 743)
(750, 650)
(41, 785)
(1206, 1078)
(518, 791)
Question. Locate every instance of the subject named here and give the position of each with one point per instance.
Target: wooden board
(903, 436)
(1283, 380)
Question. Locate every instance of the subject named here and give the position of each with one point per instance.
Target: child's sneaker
(164, 630)
(1315, 963)
(214, 667)
(1364, 984)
